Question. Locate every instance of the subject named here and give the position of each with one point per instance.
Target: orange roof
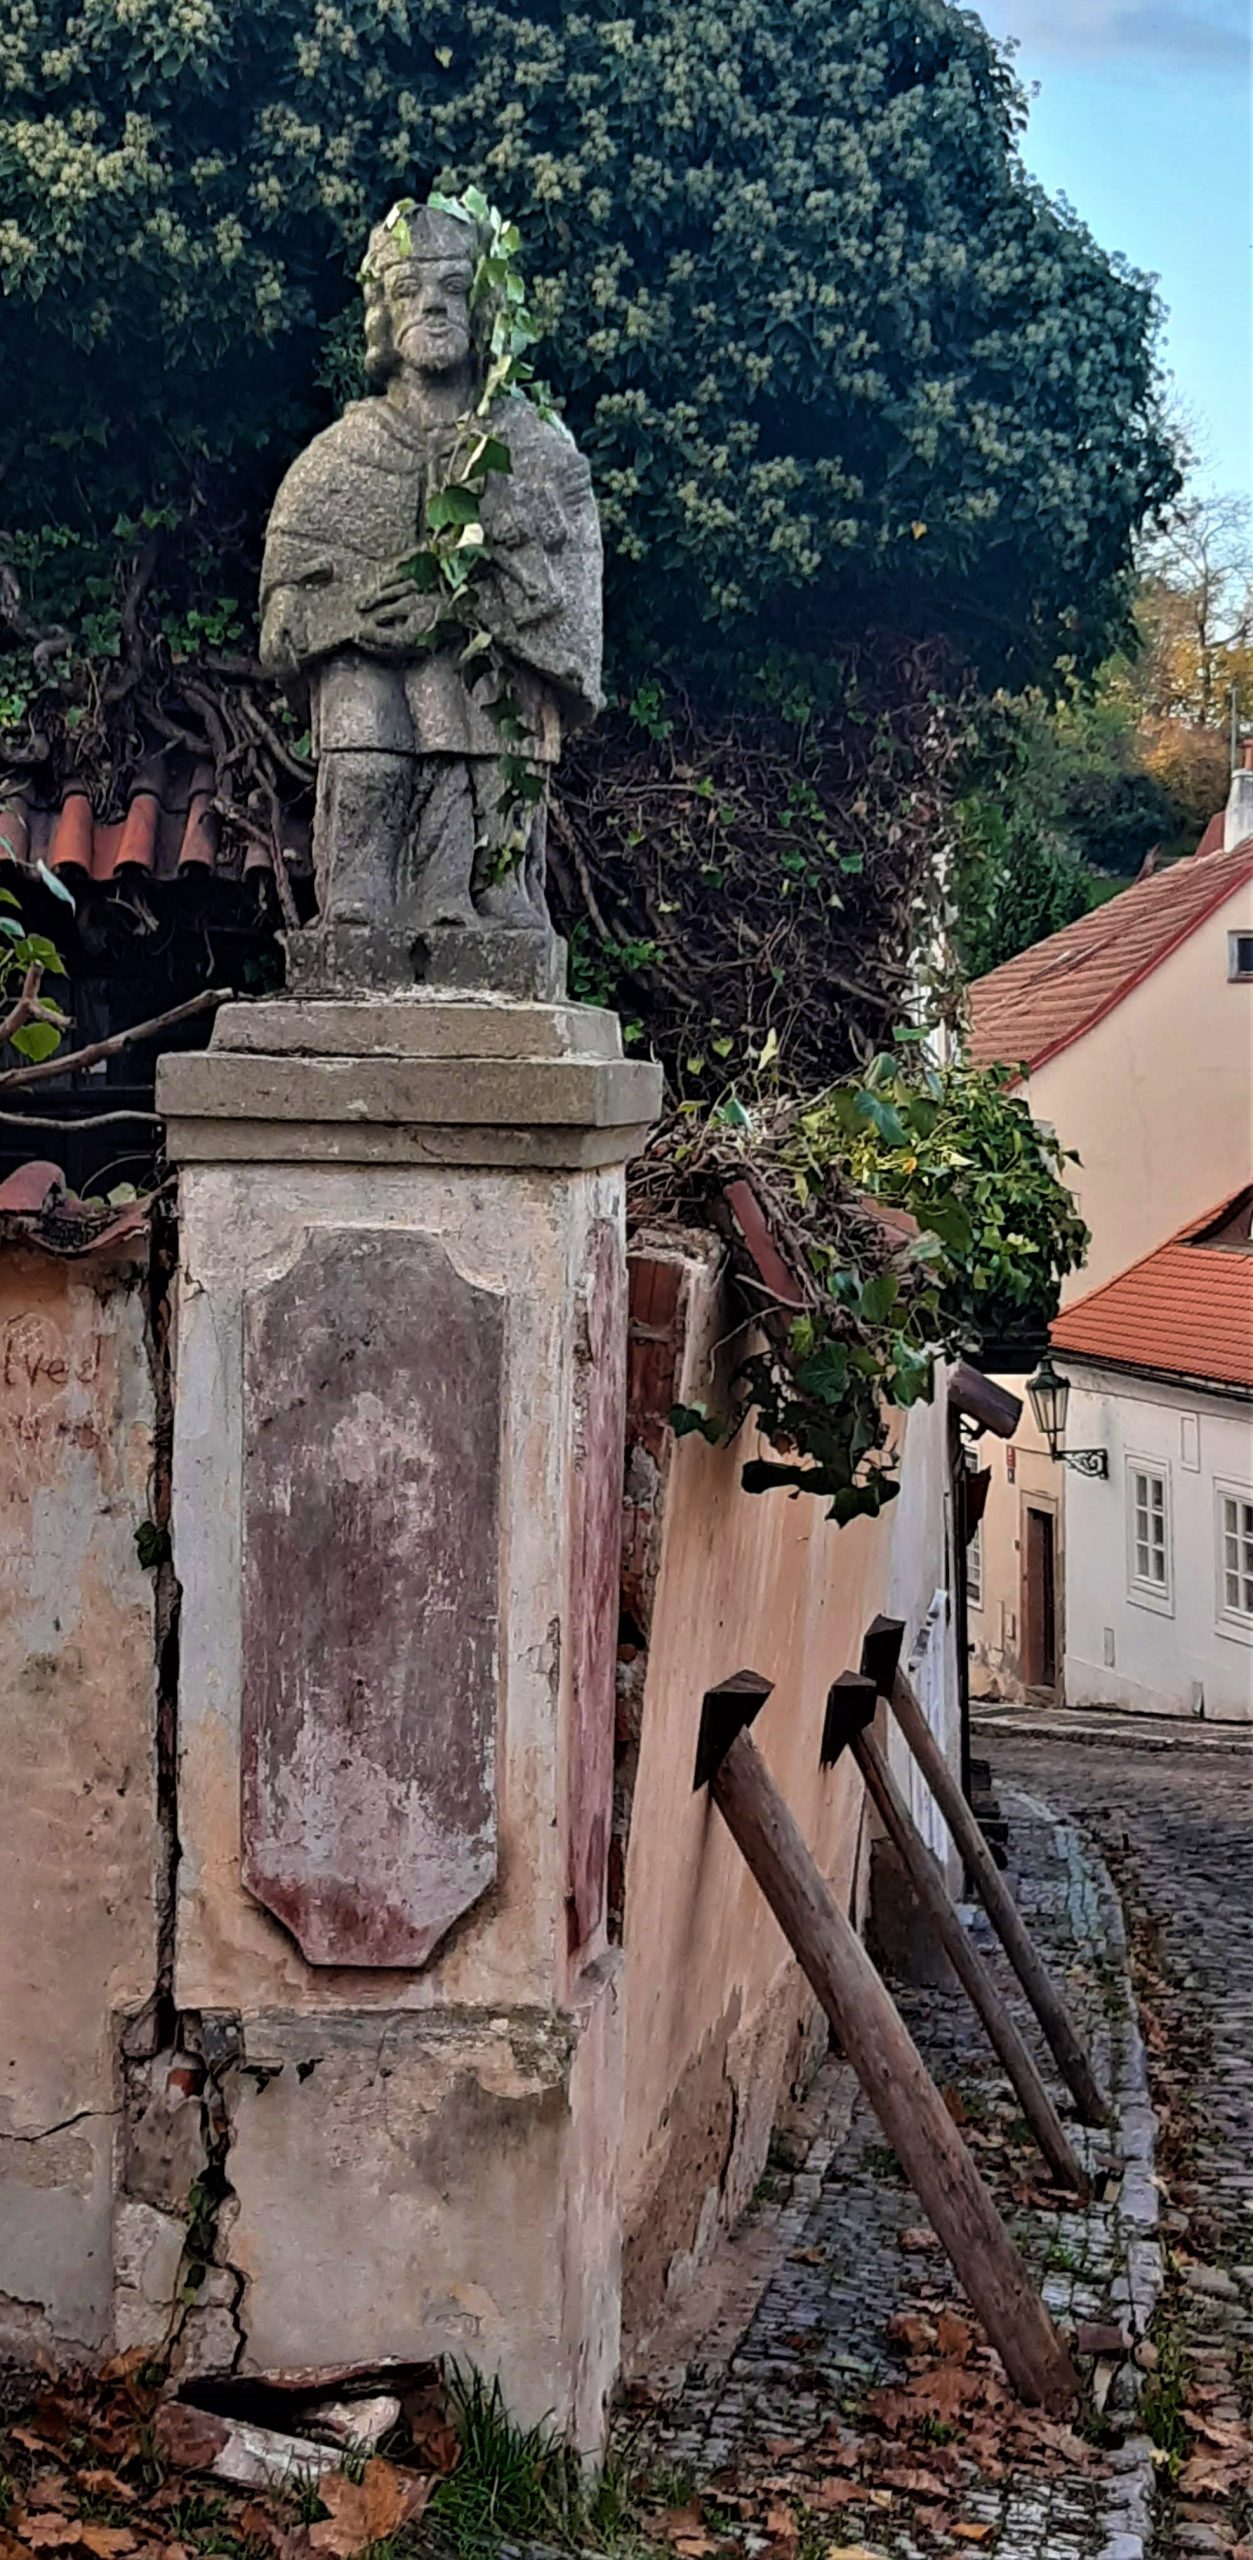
(1036, 1004)
(1186, 1310)
(168, 828)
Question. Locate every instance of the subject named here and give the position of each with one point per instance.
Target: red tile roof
(169, 828)
(1186, 1309)
(1036, 1004)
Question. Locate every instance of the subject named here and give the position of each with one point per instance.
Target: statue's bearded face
(429, 301)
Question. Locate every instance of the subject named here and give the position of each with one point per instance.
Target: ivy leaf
(687, 1419)
(57, 887)
(825, 1373)
(36, 1041)
(884, 1117)
(878, 1298)
(452, 506)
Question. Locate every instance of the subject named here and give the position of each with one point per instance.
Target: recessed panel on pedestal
(373, 1382)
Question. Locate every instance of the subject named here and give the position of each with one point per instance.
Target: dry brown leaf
(49, 2531)
(1211, 2475)
(954, 2336)
(807, 2257)
(367, 2510)
(106, 2484)
(835, 2493)
(782, 2527)
(919, 2240)
(106, 2540)
(973, 2532)
(851, 2551)
(909, 2329)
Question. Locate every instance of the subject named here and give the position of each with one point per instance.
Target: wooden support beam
(850, 1713)
(895, 2079)
(982, 1401)
(993, 1892)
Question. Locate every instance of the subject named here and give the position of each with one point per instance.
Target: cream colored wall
(715, 2004)
(996, 1625)
(1157, 1101)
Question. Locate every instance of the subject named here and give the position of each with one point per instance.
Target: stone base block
(349, 960)
(436, 2185)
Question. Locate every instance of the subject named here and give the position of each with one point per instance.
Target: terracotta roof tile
(1186, 1309)
(1036, 1004)
(170, 827)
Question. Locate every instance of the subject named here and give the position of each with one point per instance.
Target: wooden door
(1039, 1597)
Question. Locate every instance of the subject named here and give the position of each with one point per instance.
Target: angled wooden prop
(878, 2045)
(850, 1713)
(880, 1661)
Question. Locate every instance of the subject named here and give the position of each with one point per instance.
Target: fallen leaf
(908, 2329)
(851, 2551)
(807, 2257)
(953, 2336)
(106, 2484)
(106, 2540)
(973, 2532)
(49, 2531)
(367, 2510)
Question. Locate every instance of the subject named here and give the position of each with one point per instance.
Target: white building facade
(1159, 1580)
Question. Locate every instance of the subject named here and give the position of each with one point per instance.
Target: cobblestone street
(1177, 1829)
(760, 2425)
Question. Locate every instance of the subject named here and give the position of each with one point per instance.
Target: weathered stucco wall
(719, 2019)
(79, 1873)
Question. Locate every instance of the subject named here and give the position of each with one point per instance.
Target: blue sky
(1143, 121)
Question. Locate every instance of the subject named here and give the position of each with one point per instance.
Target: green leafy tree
(838, 363)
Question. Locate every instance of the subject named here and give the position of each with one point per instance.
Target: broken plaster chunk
(352, 2422)
(234, 2449)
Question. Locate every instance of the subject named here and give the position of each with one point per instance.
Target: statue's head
(418, 273)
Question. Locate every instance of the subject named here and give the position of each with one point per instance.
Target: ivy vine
(454, 554)
(874, 1297)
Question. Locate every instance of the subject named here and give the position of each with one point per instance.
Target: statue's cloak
(349, 513)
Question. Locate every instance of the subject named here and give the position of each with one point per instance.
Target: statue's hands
(396, 618)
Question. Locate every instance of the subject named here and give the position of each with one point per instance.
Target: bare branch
(27, 1007)
(118, 1040)
(93, 1120)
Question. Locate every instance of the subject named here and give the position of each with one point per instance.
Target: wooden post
(895, 2079)
(844, 1724)
(996, 1898)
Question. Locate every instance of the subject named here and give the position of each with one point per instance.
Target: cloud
(1198, 35)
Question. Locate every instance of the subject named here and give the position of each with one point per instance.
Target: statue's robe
(349, 513)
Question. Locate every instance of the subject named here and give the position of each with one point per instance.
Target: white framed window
(974, 1569)
(1235, 1560)
(1239, 957)
(1150, 1582)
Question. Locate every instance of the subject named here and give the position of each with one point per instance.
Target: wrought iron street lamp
(1049, 1392)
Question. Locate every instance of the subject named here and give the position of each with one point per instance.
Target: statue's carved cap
(418, 231)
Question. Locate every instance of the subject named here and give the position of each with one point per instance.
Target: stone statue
(429, 850)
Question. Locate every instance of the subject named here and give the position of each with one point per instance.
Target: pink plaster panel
(372, 1417)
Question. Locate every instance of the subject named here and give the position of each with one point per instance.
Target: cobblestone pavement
(1177, 1829)
(827, 2330)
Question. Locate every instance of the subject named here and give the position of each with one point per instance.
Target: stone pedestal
(397, 1483)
